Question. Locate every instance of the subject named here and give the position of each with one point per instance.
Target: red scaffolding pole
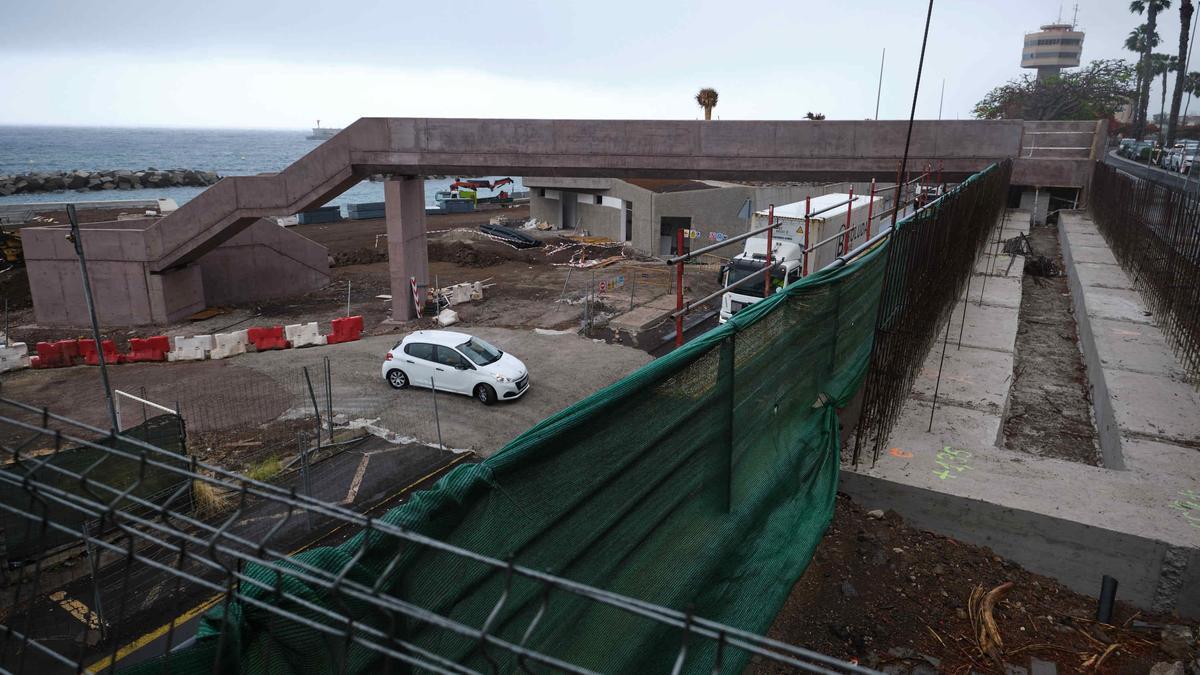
(849, 211)
(679, 289)
(870, 209)
(770, 246)
(807, 210)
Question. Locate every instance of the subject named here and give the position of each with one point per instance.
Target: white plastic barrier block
(194, 348)
(447, 317)
(14, 357)
(229, 344)
(477, 290)
(304, 334)
(460, 293)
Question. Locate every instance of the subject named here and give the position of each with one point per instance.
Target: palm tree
(1185, 18)
(1150, 8)
(1139, 40)
(1162, 64)
(707, 98)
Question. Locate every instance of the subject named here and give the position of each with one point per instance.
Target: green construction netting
(703, 480)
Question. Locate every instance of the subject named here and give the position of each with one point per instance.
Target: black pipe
(1108, 597)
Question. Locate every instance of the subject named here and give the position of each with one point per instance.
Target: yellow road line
(204, 606)
(156, 633)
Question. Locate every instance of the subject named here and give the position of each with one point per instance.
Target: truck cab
(787, 270)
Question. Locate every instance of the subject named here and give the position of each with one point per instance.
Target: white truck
(788, 244)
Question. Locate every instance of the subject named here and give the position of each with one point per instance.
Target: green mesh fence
(703, 480)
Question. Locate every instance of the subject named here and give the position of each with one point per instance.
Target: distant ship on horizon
(320, 133)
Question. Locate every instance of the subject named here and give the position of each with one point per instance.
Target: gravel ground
(563, 369)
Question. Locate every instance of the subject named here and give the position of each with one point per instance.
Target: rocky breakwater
(83, 181)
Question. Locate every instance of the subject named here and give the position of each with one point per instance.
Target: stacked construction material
(366, 211)
(324, 214)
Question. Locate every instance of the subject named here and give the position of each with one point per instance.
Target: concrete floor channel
(1071, 520)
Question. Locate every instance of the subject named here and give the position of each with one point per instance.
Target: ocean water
(229, 152)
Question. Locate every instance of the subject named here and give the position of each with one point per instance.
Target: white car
(456, 362)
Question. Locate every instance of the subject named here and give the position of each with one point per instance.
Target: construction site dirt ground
(240, 396)
(526, 288)
(896, 598)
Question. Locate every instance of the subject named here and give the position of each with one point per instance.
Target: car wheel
(397, 379)
(485, 394)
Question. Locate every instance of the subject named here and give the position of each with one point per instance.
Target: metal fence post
(329, 398)
(316, 408)
(77, 240)
(91, 558)
(436, 420)
(305, 478)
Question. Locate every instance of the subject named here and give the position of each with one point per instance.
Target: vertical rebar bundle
(1154, 233)
(931, 256)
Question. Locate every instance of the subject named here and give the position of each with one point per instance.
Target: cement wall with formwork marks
(1068, 520)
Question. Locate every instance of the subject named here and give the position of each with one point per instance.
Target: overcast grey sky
(249, 63)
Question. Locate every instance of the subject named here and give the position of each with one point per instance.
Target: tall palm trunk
(1162, 108)
(1137, 97)
(1144, 99)
(1185, 19)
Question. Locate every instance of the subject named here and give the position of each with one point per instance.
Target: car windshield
(480, 352)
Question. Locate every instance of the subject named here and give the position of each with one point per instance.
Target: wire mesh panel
(392, 597)
(930, 257)
(1154, 232)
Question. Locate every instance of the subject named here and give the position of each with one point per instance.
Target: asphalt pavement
(563, 368)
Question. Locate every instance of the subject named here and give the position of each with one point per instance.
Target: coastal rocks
(121, 179)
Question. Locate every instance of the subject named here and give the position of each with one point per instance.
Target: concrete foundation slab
(1155, 458)
(987, 328)
(639, 319)
(1102, 276)
(1134, 347)
(1003, 265)
(1154, 406)
(970, 377)
(997, 291)
(1115, 303)
(1072, 521)
(1094, 254)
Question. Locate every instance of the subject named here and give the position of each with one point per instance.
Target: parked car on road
(458, 363)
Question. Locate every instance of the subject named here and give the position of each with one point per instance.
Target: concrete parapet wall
(263, 261)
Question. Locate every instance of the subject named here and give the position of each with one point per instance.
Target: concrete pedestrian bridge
(154, 273)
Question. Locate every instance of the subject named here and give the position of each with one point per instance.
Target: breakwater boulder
(121, 179)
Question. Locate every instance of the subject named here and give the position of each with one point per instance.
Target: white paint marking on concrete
(356, 483)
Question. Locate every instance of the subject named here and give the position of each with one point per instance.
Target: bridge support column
(408, 253)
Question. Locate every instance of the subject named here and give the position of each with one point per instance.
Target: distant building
(648, 213)
(1054, 47)
(1188, 121)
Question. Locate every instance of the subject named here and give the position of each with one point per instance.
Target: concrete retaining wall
(264, 261)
